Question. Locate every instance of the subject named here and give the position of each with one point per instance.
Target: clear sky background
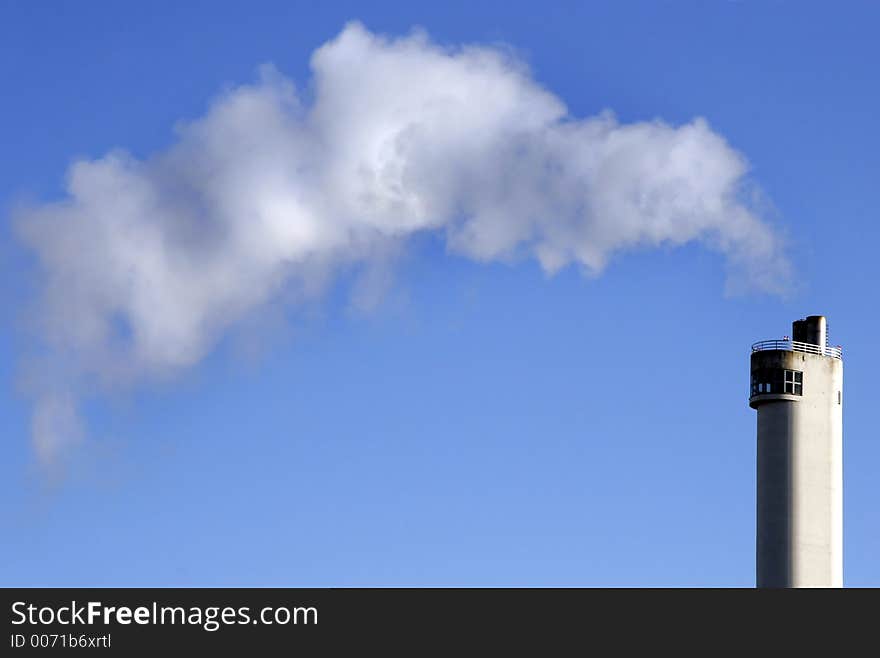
(485, 424)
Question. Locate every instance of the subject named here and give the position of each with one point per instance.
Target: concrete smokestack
(797, 390)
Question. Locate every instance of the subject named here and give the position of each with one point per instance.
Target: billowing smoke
(148, 262)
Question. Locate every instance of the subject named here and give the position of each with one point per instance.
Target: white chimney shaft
(797, 390)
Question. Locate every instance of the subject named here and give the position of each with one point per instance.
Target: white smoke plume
(148, 262)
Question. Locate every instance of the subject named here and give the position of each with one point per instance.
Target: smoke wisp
(148, 262)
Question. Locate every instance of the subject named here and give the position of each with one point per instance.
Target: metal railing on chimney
(786, 345)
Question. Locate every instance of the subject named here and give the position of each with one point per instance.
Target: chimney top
(813, 330)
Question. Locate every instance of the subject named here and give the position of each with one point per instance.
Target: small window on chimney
(794, 382)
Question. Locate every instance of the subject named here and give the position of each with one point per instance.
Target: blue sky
(485, 423)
